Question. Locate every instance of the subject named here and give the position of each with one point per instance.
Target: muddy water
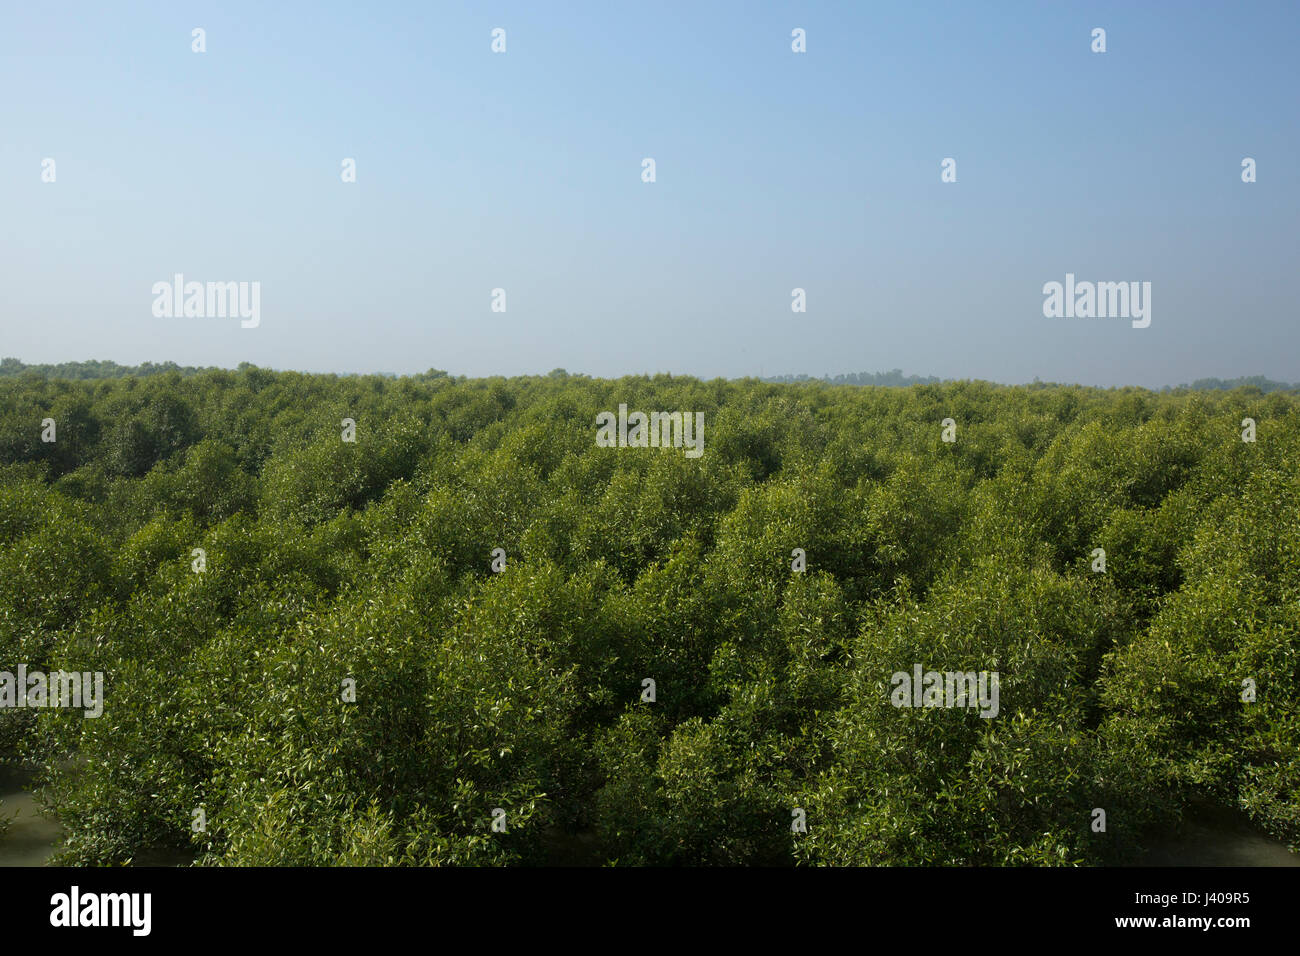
(1217, 837)
(30, 838)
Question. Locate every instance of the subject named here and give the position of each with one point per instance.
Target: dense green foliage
(521, 690)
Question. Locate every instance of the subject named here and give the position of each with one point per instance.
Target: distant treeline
(79, 371)
(94, 369)
(894, 378)
(1227, 384)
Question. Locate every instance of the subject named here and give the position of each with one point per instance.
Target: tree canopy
(493, 591)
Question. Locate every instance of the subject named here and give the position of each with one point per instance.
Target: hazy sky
(522, 170)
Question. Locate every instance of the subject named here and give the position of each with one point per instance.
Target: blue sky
(775, 170)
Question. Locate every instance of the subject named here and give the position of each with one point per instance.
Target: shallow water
(30, 838)
(1217, 837)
